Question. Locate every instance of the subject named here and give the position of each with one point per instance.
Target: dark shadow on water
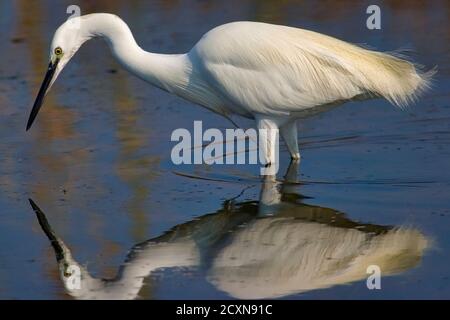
(267, 248)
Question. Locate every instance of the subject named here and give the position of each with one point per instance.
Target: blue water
(97, 163)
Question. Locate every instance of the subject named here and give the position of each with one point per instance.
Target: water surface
(373, 186)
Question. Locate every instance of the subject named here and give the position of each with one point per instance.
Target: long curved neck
(167, 71)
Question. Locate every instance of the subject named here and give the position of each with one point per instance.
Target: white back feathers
(284, 69)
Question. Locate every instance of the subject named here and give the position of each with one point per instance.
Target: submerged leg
(268, 142)
(289, 133)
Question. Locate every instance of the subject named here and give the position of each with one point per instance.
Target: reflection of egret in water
(257, 249)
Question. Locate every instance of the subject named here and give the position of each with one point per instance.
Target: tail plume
(390, 75)
(394, 78)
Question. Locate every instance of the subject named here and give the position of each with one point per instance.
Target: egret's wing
(277, 70)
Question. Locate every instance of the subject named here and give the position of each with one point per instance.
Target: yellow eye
(58, 51)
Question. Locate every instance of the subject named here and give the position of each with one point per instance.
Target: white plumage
(274, 74)
(272, 69)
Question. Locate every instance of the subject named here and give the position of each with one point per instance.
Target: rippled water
(373, 186)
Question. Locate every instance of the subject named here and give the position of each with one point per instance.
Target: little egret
(271, 73)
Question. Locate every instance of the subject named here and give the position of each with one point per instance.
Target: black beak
(42, 91)
(59, 251)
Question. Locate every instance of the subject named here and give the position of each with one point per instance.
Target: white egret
(274, 74)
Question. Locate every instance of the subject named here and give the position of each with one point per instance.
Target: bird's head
(67, 39)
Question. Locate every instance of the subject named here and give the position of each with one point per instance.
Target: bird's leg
(268, 144)
(289, 133)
